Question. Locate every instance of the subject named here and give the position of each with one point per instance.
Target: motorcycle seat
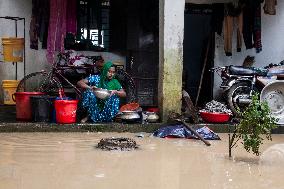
(250, 71)
(272, 72)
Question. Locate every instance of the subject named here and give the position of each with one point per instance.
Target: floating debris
(216, 107)
(123, 144)
(140, 135)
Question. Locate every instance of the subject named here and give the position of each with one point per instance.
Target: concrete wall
(35, 59)
(171, 31)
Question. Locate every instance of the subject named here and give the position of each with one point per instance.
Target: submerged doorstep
(105, 127)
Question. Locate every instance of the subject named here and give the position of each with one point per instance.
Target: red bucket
(66, 111)
(23, 105)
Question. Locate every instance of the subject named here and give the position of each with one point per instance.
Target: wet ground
(71, 161)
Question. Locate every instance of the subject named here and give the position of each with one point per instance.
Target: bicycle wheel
(39, 82)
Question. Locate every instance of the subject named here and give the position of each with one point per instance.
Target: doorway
(198, 52)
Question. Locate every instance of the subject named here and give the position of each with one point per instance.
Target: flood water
(71, 161)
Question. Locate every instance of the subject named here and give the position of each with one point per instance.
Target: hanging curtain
(252, 25)
(56, 29)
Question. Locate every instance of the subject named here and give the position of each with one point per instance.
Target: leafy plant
(256, 122)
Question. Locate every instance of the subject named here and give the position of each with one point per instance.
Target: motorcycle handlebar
(216, 69)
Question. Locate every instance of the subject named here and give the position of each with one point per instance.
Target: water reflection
(69, 160)
(273, 155)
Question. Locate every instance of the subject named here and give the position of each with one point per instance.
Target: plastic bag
(180, 131)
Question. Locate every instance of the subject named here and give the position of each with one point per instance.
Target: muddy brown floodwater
(71, 161)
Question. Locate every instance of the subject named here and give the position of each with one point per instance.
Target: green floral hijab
(104, 83)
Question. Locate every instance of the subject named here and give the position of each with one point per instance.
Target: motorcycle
(239, 83)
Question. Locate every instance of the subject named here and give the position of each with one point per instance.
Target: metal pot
(152, 117)
(130, 116)
(101, 93)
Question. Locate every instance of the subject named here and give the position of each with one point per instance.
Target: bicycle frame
(56, 71)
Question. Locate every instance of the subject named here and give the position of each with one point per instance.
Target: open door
(198, 51)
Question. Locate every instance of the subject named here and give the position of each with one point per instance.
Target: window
(93, 28)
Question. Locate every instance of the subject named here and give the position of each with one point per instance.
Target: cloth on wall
(270, 7)
(39, 23)
(257, 30)
(57, 28)
(252, 25)
(233, 16)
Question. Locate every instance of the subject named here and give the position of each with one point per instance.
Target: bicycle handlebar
(85, 66)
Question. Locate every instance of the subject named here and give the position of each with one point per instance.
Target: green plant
(255, 124)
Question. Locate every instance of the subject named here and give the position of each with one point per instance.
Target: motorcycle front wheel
(238, 97)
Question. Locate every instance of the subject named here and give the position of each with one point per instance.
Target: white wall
(35, 59)
(272, 45)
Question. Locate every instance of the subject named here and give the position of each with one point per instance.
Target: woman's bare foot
(85, 119)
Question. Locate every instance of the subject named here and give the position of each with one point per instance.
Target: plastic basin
(214, 117)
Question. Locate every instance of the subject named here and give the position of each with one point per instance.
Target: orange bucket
(9, 88)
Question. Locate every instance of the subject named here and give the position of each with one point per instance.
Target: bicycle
(56, 80)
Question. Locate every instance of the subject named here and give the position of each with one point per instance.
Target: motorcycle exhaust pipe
(245, 101)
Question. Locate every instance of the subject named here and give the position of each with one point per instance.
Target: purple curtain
(57, 28)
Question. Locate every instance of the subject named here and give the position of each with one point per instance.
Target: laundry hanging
(217, 17)
(61, 21)
(71, 17)
(233, 14)
(57, 28)
(252, 25)
(39, 23)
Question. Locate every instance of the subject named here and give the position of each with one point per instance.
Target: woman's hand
(120, 93)
(113, 92)
(84, 84)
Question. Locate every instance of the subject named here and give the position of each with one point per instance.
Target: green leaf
(256, 121)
